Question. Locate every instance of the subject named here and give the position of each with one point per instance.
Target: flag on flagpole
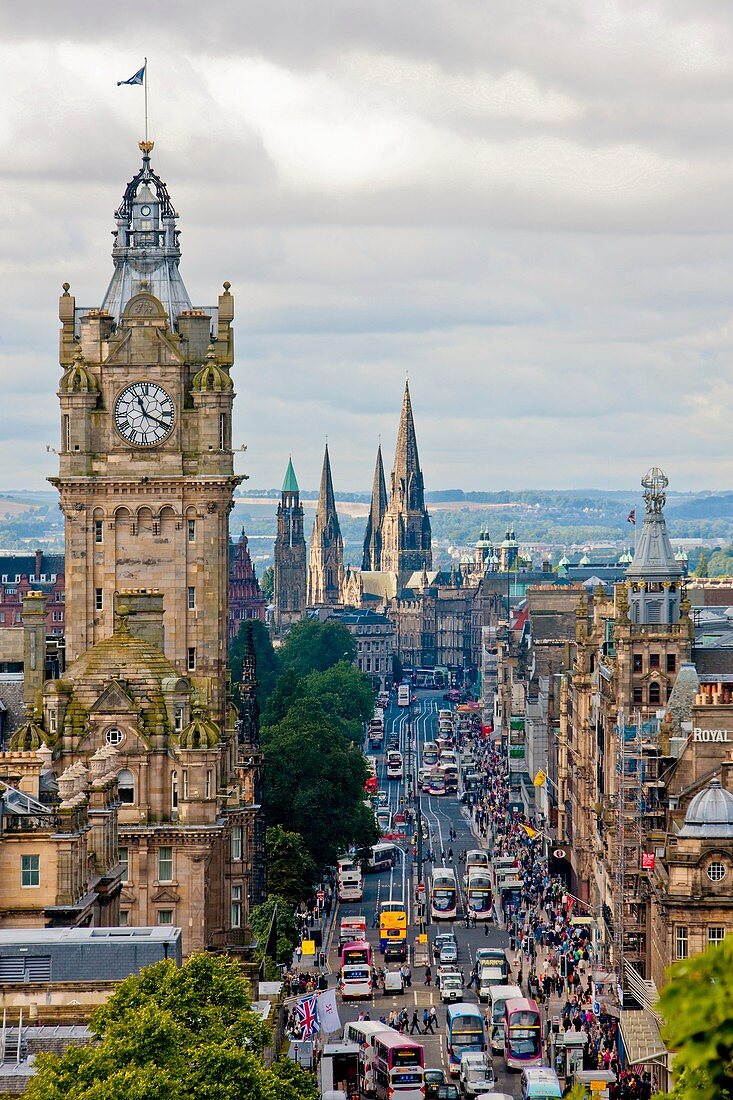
(136, 78)
(306, 1013)
(328, 1013)
(631, 518)
(531, 833)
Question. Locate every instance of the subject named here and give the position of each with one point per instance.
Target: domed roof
(710, 814)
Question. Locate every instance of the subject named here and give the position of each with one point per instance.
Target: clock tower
(146, 474)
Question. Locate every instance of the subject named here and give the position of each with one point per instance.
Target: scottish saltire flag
(306, 1013)
(328, 1013)
(136, 78)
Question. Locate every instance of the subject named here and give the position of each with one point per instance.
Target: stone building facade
(245, 595)
(290, 573)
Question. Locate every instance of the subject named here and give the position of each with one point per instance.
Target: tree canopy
(312, 646)
(267, 667)
(696, 1005)
(173, 1032)
(291, 870)
(260, 919)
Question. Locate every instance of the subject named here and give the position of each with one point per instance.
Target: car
(382, 798)
(448, 952)
(445, 970)
(452, 696)
(433, 1078)
(447, 1092)
(451, 988)
(444, 937)
(396, 951)
(393, 982)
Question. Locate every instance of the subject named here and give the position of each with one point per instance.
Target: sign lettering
(707, 736)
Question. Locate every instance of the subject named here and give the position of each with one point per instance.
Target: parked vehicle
(451, 987)
(476, 1074)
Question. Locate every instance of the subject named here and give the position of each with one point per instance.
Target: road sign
(540, 779)
(321, 895)
(309, 947)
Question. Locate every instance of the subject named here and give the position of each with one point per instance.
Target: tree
(345, 694)
(260, 920)
(696, 1006)
(291, 870)
(314, 782)
(312, 646)
(701, 569)
(267, 583)
(172, 1032)
(288, 688)
(267, 667)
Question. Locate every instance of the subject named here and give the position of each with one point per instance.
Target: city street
(440, 815)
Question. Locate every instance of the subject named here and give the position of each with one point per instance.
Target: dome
(710, 814)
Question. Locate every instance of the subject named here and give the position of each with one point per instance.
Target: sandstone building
(290, 574)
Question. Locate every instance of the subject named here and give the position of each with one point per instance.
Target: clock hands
(149, 416)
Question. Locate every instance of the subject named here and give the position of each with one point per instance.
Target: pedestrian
(414, 1023)
(425, 1020)
(298, 953)
(433, 1019)
(428, 975)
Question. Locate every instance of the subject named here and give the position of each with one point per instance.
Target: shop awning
(642, 1041)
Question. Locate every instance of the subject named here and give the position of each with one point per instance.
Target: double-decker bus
(356, 953)
(403, 695)
(430, 754)
(435, 782)
(392, 923)
(394, 764)
(477, 860)
(363, 1033)
(443, 894)
(450, 775)
(399, 1067)
(479, 901)
(464, 1031)
(522, 1033)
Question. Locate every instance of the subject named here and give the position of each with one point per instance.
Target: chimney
(34, 648)
(143, 610)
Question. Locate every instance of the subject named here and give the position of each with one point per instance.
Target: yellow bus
(392, 925)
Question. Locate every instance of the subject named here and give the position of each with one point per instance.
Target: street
(440, 815)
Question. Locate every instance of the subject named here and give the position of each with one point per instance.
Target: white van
(488, 976)
(476, 1074)
(540, 1083)
(355, 982)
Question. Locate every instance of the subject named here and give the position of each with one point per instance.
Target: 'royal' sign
(717, 736)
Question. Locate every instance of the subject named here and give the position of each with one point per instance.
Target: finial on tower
(655, 481)
(146, 148)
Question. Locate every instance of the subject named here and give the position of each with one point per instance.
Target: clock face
(144, 414)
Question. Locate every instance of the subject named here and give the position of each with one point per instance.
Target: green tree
(701, 569)
(288, 688)
(260, 919)
(172, 1032)
(267, 667)
(312, 646)
(696, 1005)
(345, 694)
(267, 583)
(291, 870)
(314, 782)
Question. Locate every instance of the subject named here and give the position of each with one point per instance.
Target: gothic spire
(249, 710)
(372, 556)
(326, 498)
(407, 483)
(326, 559)
(146, 251)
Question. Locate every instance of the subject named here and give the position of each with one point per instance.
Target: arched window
(174, 791)
(126, 786)
(654, 694)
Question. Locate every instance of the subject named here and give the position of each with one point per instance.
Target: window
(236, 842)
(192, 597)
(236, 906)
(185, 782)
(178, 719)
(98, 530)
(67, 433)
(126, 786)
(30, 870)
(123, 855)
(114, 736)
(671, 662)
(715, 936)
(124, 918)
(208, 782)
(222, 431)
(165, 916)
(53, 724)
(716, 871)
(653, 660)
(174, 791)
(638, 695)
(654, 694)
(680, 941)
(58, 616)
(192, 530)
(165, 865)
(98, 599)
(191, 658)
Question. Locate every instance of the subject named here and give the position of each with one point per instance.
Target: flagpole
(145, 86)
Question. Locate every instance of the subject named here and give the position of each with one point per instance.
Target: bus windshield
(357, 953)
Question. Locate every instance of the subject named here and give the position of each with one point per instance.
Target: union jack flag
(306, 1012)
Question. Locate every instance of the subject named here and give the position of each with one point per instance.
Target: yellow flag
(531, 833)
(540, 779)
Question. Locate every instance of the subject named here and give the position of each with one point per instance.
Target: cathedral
(146, 481)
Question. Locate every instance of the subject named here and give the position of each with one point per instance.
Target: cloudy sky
(524, 206)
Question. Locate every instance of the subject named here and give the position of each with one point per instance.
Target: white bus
(403, 695)
(394, 764)
(362, 1033)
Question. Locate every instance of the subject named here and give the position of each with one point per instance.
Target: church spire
(146, 251)
(326, 560)
(406, 534)
(372, 557)
(407, 480)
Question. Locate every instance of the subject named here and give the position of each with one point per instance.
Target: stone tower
(372, 558)
(251, 764)
(146, 482)
(406, 536)
(326, 558)
(146, 470)
(290, 585)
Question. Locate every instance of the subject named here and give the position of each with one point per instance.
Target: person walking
(428, 1017)
(433, 1019)
(428, 976)
(414, 1023)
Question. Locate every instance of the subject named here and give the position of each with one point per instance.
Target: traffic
(449, 938)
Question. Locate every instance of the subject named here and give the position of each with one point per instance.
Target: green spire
(290, 485)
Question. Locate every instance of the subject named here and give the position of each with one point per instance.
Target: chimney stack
(34, 648)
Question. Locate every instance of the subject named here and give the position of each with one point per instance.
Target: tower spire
(406, 534)
(326, 560)
(372, 557)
